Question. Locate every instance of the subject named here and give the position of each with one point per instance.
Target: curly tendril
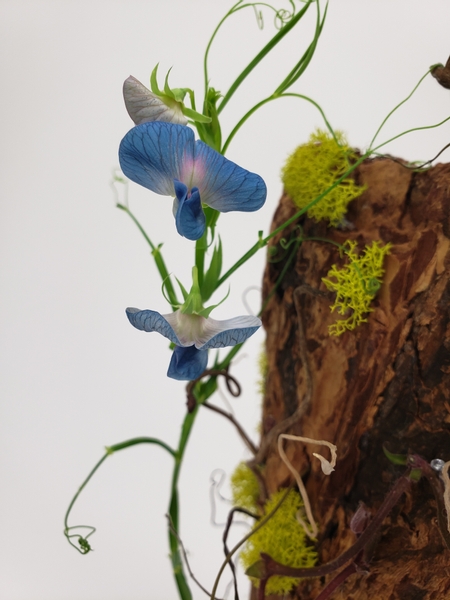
(327, 468)
(282, 16)
(83, 545)
(231, 383)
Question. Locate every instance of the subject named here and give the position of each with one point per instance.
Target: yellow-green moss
(313, 168)
(244, 487)
(283, 538)
(263, 368)
(356, 284)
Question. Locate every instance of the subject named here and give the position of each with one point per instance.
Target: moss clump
(356, 284)
(263, 368)
(283, 538)
(316, 166)
(244, 487)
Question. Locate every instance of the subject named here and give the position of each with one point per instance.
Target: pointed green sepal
(195, 116)
(156, 250)
(167, 284)
(175, 96)
(154, 82)
(182, 288)
(213, 273)
(212, 216)
(193, 301)
(211, 132)
(205, 312)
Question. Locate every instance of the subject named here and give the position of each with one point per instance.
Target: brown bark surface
(385, 383)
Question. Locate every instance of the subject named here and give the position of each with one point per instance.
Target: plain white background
(75, 375)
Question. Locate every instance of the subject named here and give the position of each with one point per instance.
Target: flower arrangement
(176, 151)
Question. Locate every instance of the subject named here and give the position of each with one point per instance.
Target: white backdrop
(75, 375)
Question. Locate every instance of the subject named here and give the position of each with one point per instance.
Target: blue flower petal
(231, 337)
(230, 332)
(150, 320)
(151, 154)
(190, 218)
(188, 363)
(224, 185)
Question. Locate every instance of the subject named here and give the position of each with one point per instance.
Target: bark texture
(385, 383)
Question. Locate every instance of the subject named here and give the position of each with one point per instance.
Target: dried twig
(327, 468)
(180, 543)
(225, 538)
(248, 442)
(230, 381)
(267, 566)
(260, 524)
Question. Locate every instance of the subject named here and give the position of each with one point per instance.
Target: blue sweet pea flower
(193, 335)
(166, 159)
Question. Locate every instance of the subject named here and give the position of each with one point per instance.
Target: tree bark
(385, 383)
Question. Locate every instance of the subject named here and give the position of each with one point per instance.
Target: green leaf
(195, 116)
(167, 89)
(207, 311)
(257, 570)
(211, 218)
(211, 132)
(182, 288)
(137, 441)
(154, 82)
(415, 474)
(396, 459)
(213, 273)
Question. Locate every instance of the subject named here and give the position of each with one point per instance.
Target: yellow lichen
(244, 487)
(316, 166)
(356, 284)
(284, 539)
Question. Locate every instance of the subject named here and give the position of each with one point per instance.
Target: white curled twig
(251, 288)
(446, 480)
(327, 468)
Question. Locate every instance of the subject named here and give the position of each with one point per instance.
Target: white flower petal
(142, 105)
(209, 333)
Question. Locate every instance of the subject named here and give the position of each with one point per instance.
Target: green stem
(319, 108)
(211, 39)
(158, 258)
(282, 274)
(262, 242)
(200, 250)
(175, 555)
(269, 99)
(259, 57)
(110, 450)
(229, 357)
(136, 442)
(81, 488)
(304, 61)
(234, 9)
(394, 109)
(202, 392)
(410, 131)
